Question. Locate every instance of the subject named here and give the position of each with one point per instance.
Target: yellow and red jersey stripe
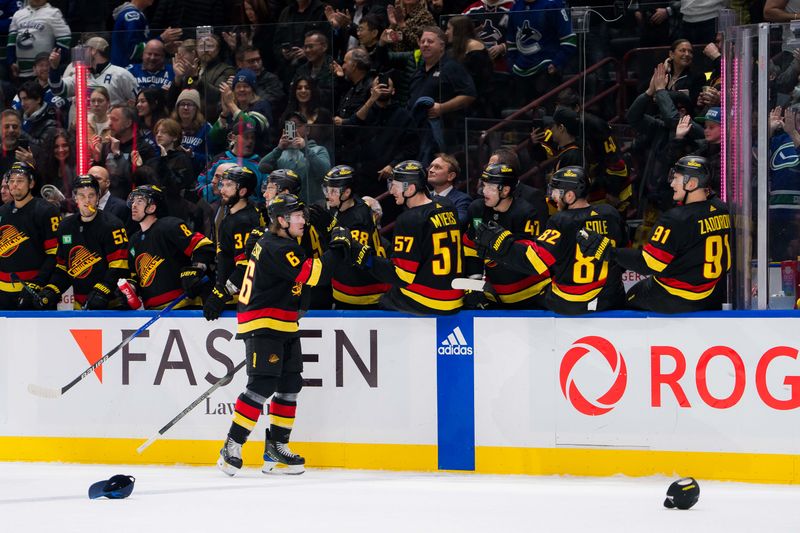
(268, 318)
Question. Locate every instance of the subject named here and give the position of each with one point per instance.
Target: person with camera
(92, 253)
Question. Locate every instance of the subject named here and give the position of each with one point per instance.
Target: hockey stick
(27, 288)
(222, 382)
(470, 284)
(46, 392)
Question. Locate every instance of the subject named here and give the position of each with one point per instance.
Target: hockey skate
(230, 457)
(279, 459)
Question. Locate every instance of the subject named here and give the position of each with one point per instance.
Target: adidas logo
(455, 344)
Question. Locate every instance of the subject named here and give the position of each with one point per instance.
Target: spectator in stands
(38, 27)
(131, 32)
(241, 144)
(231, 120)
(386, 135)
(706, 145)
(206, 76)
(295, 21)
(174, 166)
(698, 21)
(680, 76)
(120, 84)
(41, 70)
(38, 119)
(257, 34)
(369, 34)
(655, 133)
(309, 160)
(346, 21)
(153, 71)
(318, 66)
(304, 98)
(116, 152)
(540, 43)
(5, 194)
(112, 204)
(268, 85)
(784, 184)
(58, 162)
(15, 142)
(566, 128)
(151, 106)
(491, 19)
(441, 94)
(355, 70)
(466, 49)
(98, 122)
(655, 22)
(442, 175)
(408, 19)
(194, 127)
(9, 7)
(246, 98)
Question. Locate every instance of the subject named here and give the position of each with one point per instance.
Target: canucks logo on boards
(455, 344)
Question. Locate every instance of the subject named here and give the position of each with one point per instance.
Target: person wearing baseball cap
(246, 98)
(565, 132)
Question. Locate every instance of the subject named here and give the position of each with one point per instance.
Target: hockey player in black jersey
(579, 283)
(688, 252)
(510, 288)
(278, 271)
(352, 288)
(236, 185)
(167, 258)
(28, 228)
(426, 254)
(92, 253)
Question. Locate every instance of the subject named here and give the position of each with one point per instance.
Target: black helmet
(283, 205)
(21, 167)
(285, 179)
(340, 176)
(692, 166)
(500, 174)
(571, 179)
(153, 195)
(682, 494)
(86, 181)
(243, 177)
(411, 171)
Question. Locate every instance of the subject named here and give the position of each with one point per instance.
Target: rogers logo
(609, 399)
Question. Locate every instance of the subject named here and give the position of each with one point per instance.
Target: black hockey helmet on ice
(682, 494)
(115, 488)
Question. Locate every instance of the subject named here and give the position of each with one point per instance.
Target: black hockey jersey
(575, 278)
(688, 251)
(425, 258)
(89, 253)
(277, 272)
(157, 257)
(27, 242)
(351, 285)
(510, 285)
(232, 244)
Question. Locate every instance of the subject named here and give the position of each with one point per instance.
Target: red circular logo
(609, 399)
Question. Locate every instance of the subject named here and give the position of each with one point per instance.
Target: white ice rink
(52, 497)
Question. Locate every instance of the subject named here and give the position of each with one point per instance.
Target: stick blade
(43, 392)
(147, 443)
(468, 284)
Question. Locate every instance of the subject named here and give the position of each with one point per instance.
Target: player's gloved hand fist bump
(321, 218)
(99, 297)
(493, 239)
(215, 303)
(48, 298)
(340, 238)
(192, 280)
(475, 300)
(592, 244)
(361, 254)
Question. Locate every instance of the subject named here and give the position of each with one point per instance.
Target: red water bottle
(130, 293)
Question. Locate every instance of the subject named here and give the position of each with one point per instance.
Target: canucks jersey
(232, 242)
(350, 285)
(425, 258)
(575, 280)
(277, 272)
(688, 251)
(34, 30)
(27, 242)
(538, 34)
(511, 286)
(89, 253)
(158, 255)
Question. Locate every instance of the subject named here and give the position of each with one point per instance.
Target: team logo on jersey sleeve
(146, 266)
(80, 262)
(10, 239)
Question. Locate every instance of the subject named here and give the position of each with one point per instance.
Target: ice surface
(52, 497)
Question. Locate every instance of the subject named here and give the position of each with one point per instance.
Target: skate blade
(282, 469)
(226, 468)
